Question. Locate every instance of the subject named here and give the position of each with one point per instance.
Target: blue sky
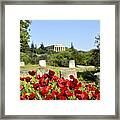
(80, 32)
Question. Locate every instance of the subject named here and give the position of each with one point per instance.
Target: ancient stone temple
(57, 48)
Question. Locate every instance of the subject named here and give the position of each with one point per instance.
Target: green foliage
(33, 54)
(32, 48)
(87, 75)
(59, 59)
(25, 57)
(24, 35)
(95, 57)
(97, 41)
(72, 47)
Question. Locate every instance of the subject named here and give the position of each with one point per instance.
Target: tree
(24, 35)
(95, 57)
(97, 41)
(42, 46)
(72, 47)
(42, 49)
(32, 47)
(25, 57)
(35, 48)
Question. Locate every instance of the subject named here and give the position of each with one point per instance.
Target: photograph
(59, 59)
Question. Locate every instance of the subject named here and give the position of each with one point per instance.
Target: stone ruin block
(67, 72)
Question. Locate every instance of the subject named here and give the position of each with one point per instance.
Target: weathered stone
(66, 72)
(42, 63)
(42, 71)
(25, 72)
(22, 64)
(72, 64)
(84, 68)
(98, 75)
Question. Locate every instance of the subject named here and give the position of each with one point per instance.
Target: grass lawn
(32, 67)
(29, 67)
(56, 69)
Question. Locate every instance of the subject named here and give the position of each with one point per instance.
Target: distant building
(57, 48)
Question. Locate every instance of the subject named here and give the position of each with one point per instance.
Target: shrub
(25, 57)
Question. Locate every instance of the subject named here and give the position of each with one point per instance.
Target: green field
(56, 69)
(32, 67)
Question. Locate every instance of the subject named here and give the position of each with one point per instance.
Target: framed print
(60, 59)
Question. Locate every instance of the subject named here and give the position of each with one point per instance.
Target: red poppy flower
(71, 77)
(22, 78)
(55, 78)
(49, 97)
(46, 82)
(32, 73)
(41, 81)
(72, 85)
(36, 86)
(89, 86)
(97, 91)
(93, 88)
(78, 96)
(61, 80)
(75, 81)
(48, 88)
(98, 96)
(76, 91)
(62, 98)
(54, 93)
(32, 96)
(45, 76)
(63, 92)
(66, 88)
(21, 87)
(38, 77)
(68, 93)
(68, 83)
(60, 85)
(51, 73)
(22, 98)
(84, 96)
(25, 96)
(28, 79)
(44, 90)
(79, 85)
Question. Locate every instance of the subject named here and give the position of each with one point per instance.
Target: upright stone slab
(22, 64)
(42, 69)
(42, 63)
(66, 72)
(98, 75)
(72, 64)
